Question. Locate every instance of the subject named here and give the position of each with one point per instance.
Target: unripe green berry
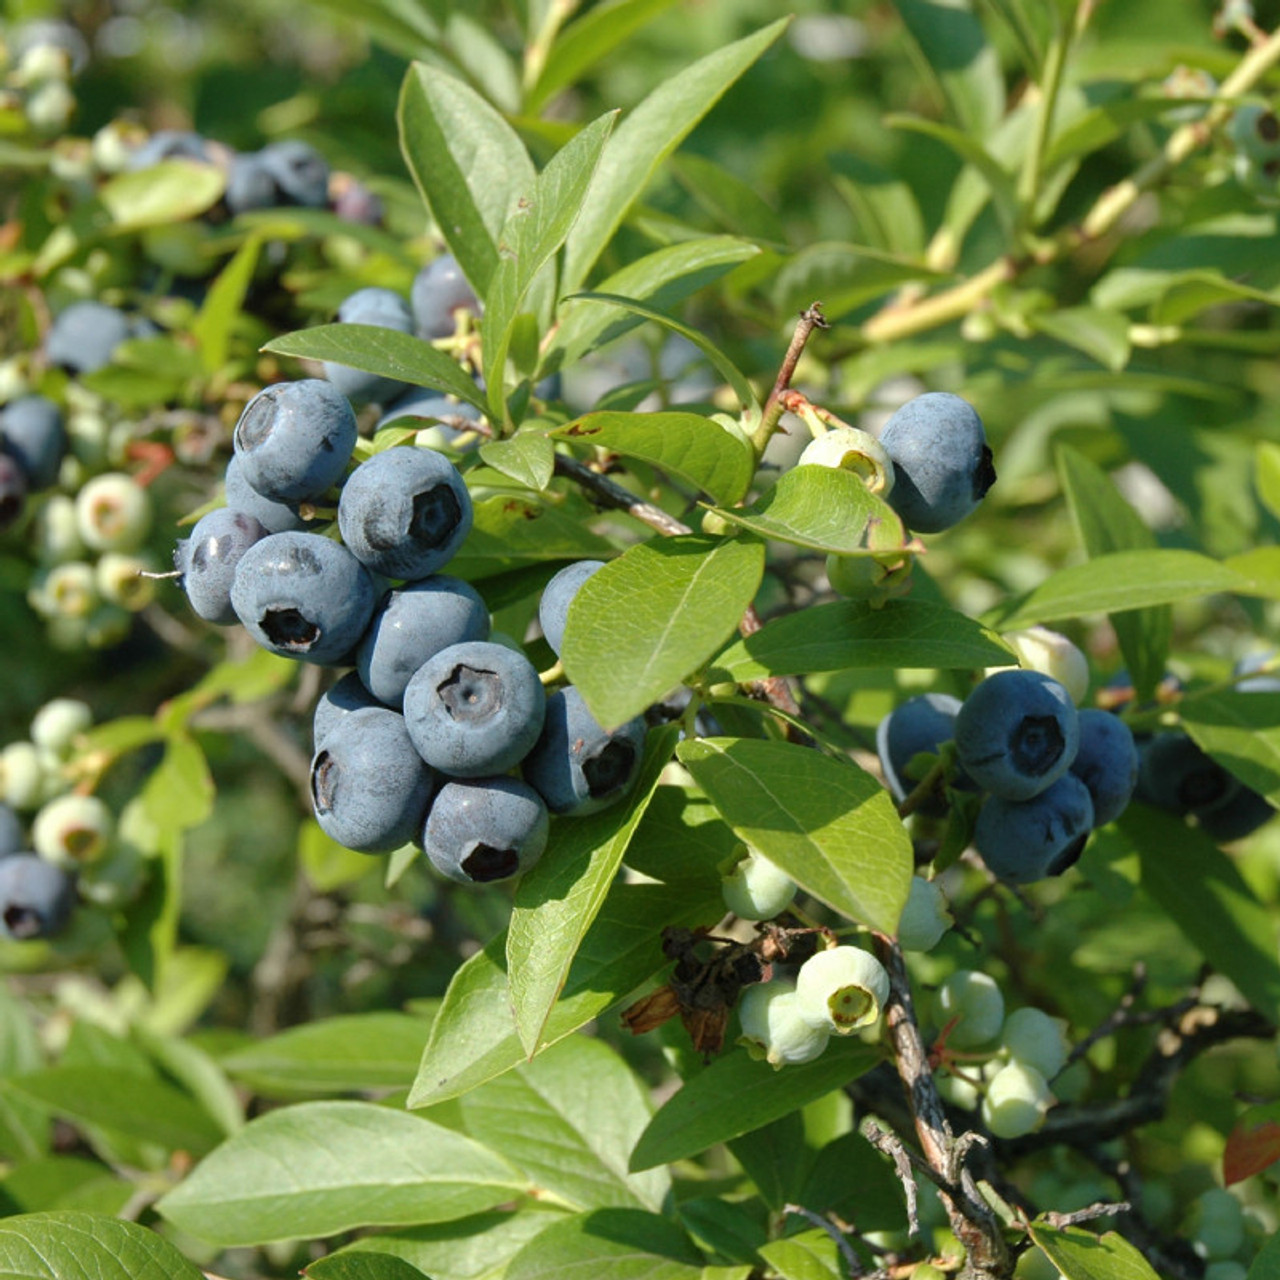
(843, 989)
(756, 889)
(852, 449)
(1053, 655)
(772, 1027)
(21, 775)
(1032, 1037)
(68, 590)
(1217, 1224)
(113, 513)
(925, 917)
(973, 999)
(57, 533)
(1016, 1102)
(72, 830)
(1226, 1269)
(50, 106)
(58, 722)
(120, 581)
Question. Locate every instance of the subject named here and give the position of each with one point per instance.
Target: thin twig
(904, 1162)
(811, 318)
(847, 1251)
(613, 495)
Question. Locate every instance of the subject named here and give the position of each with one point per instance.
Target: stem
(613, 495)
(951, 304)
(1051, 85)
(535, 56)
(811, 318)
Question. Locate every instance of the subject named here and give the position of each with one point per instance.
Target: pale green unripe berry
(57, 535)
(974, 1000)
(772, 1027)
(1017, 1100)
(50, 106)
(55, 726)
(21, 775)
(1217, 1224)
(13, 378)
(925, 917)
(1226, 1270)
(852, 449)
(1053, 655)
(72, 830)
(1035, 1039)
(115, 143)
(42, 62)
(113, 513)
(843, 989)
(120, 581)
(68, 590)
(756, 889)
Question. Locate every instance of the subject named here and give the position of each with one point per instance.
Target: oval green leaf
(87, 1246)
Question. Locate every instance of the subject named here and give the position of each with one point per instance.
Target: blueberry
(13, 490)
(294, 439)
(1017, 733)
(439, 290)
(303, 596)
(1107, 763)
(170, 144)
(475, 709)
(918, 726)
(387, 310)
(275, 517)
(11, 840)
(35, 897)
(405, 512)
(557, 596)
(31, 431)
(1268, 682)
(1174, 774)
(941, 461)
(347, 695)
(412, 624)
(370, 789)
(83, 337)
(299, 171)
(423, 402)
(354, 202)
(208, 559)
(250, 184)
(1026, 840)
(485, 829)
(578, 767)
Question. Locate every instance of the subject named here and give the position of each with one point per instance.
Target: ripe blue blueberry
(170, 144)
(299, 171)
(1107, 763)
(207, 561)
(294, 439)
(370, 789)
(13, 490)
(405, 512)
(485, 829)
(35, 897)
(941, 461)
(439, 290)
(10, 831)
(31, 432)
(385, 309)
(412, 624)
(275, 517)
(1017, 733)
(83, 337)
(1026, 840)
(303, 596)
(249, 184)
(557, 596)
(475, 709)
(346, 695)
(578, 767)
(1175, 774)
(918, 726)
(1267, 682)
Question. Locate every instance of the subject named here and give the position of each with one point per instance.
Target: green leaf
(589, 39)
(1266, 1266)
(737, 1093)
(1242, 732)
(127, 1103)
(378, 1050)
(646, 137)
(568, 1120)
(653, 616)
(811, 1255)
(1201, 890)
(1107, 523)
(362, 1266)
(735, 204)
(383, 351)
(843, 277)
(510, 531)
(87, 1246)
(682, 840)
(469, 165)
(171, 191)
(474, 1037)
(613, 1244)
(820, 508)
(827, 823)
(533, 232)
(1267, 472)
(558, 899)
(848, 634)
(686, 444)
(965, 67)
(216, 319)
(528, 457)
(320, 1168)
(661, 279)
(1102, 335)
(1081, 1255)
(1118, 582)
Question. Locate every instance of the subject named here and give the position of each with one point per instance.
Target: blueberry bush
(639, 640)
